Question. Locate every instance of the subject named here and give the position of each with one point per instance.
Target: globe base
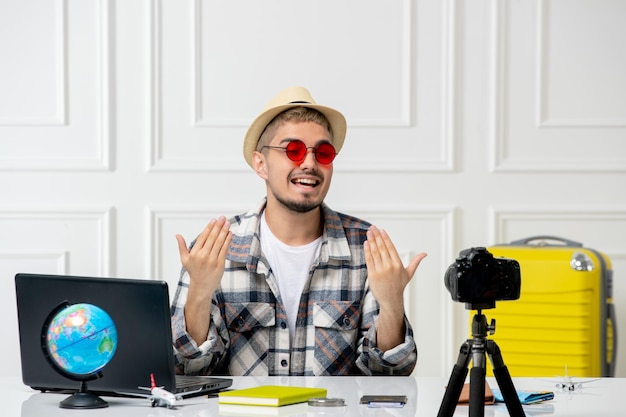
(83, 399)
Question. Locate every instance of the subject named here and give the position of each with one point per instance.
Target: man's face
(298, 186)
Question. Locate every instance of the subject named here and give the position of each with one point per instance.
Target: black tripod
(475, 349)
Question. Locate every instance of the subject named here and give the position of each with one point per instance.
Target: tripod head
(480, 328)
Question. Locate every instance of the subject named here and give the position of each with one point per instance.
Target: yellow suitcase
(564, 318)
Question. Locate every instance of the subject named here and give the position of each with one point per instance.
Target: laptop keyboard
(183, 381)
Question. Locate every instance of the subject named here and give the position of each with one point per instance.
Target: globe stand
(59, 320)
(83, 399)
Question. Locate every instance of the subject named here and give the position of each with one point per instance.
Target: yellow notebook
(270, 395)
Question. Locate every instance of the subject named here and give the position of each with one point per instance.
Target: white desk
(600, 398)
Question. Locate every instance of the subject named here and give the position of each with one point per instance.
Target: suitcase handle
(611, 317)
(526, 241)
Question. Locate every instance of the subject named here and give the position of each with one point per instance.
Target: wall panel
(556, 96)
(75, 241)
(54, 106)
(199, 118)
(51, 241)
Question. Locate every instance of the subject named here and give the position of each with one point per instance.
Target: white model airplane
(159, 396)
(568, 383)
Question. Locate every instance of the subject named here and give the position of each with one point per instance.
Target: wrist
(395, 308)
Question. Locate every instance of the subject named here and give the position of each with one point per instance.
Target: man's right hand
(205, 265)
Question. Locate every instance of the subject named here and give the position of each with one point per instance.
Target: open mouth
(306, 182)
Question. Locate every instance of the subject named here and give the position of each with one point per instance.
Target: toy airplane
(568, 383)
(159, 396)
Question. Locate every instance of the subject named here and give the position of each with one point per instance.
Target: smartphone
(384, 401)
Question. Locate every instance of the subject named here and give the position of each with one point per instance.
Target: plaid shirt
(335, 332)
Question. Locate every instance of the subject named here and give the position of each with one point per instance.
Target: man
(292, 287)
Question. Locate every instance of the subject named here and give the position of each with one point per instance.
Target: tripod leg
(477, 378)
(505, 383)
(477, 392)
(455, 384)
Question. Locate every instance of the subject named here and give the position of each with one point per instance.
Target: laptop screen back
(139, 310)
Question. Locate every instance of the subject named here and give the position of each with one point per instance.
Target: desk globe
(80, 340)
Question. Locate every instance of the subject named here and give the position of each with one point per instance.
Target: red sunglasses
(296, 150)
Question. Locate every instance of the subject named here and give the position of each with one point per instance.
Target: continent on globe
(81, 339)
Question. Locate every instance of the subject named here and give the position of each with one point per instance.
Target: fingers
(210, 246)
(415, 262)
(379, 248)
(380, 252)
(212, 237)
(221, 237)
(182, 246)
(225, 238)
(204, 235)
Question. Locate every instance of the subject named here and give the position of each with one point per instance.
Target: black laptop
(141, 313)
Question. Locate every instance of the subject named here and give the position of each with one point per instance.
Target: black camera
(479, 280)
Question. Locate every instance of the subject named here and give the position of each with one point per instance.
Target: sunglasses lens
(325, 153)
(296, 150)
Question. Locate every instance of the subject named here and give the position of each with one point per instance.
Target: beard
(298, 206)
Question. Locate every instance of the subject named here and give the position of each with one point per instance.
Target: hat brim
(336, 120)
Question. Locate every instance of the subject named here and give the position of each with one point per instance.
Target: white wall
(470, 123)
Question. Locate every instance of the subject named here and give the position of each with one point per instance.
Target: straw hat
(286, 99)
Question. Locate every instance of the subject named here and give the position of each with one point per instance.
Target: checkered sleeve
(189, 357)
(372, 361)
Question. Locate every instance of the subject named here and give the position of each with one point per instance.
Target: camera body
(479, 279)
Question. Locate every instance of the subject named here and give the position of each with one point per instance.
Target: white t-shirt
(291, 266)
